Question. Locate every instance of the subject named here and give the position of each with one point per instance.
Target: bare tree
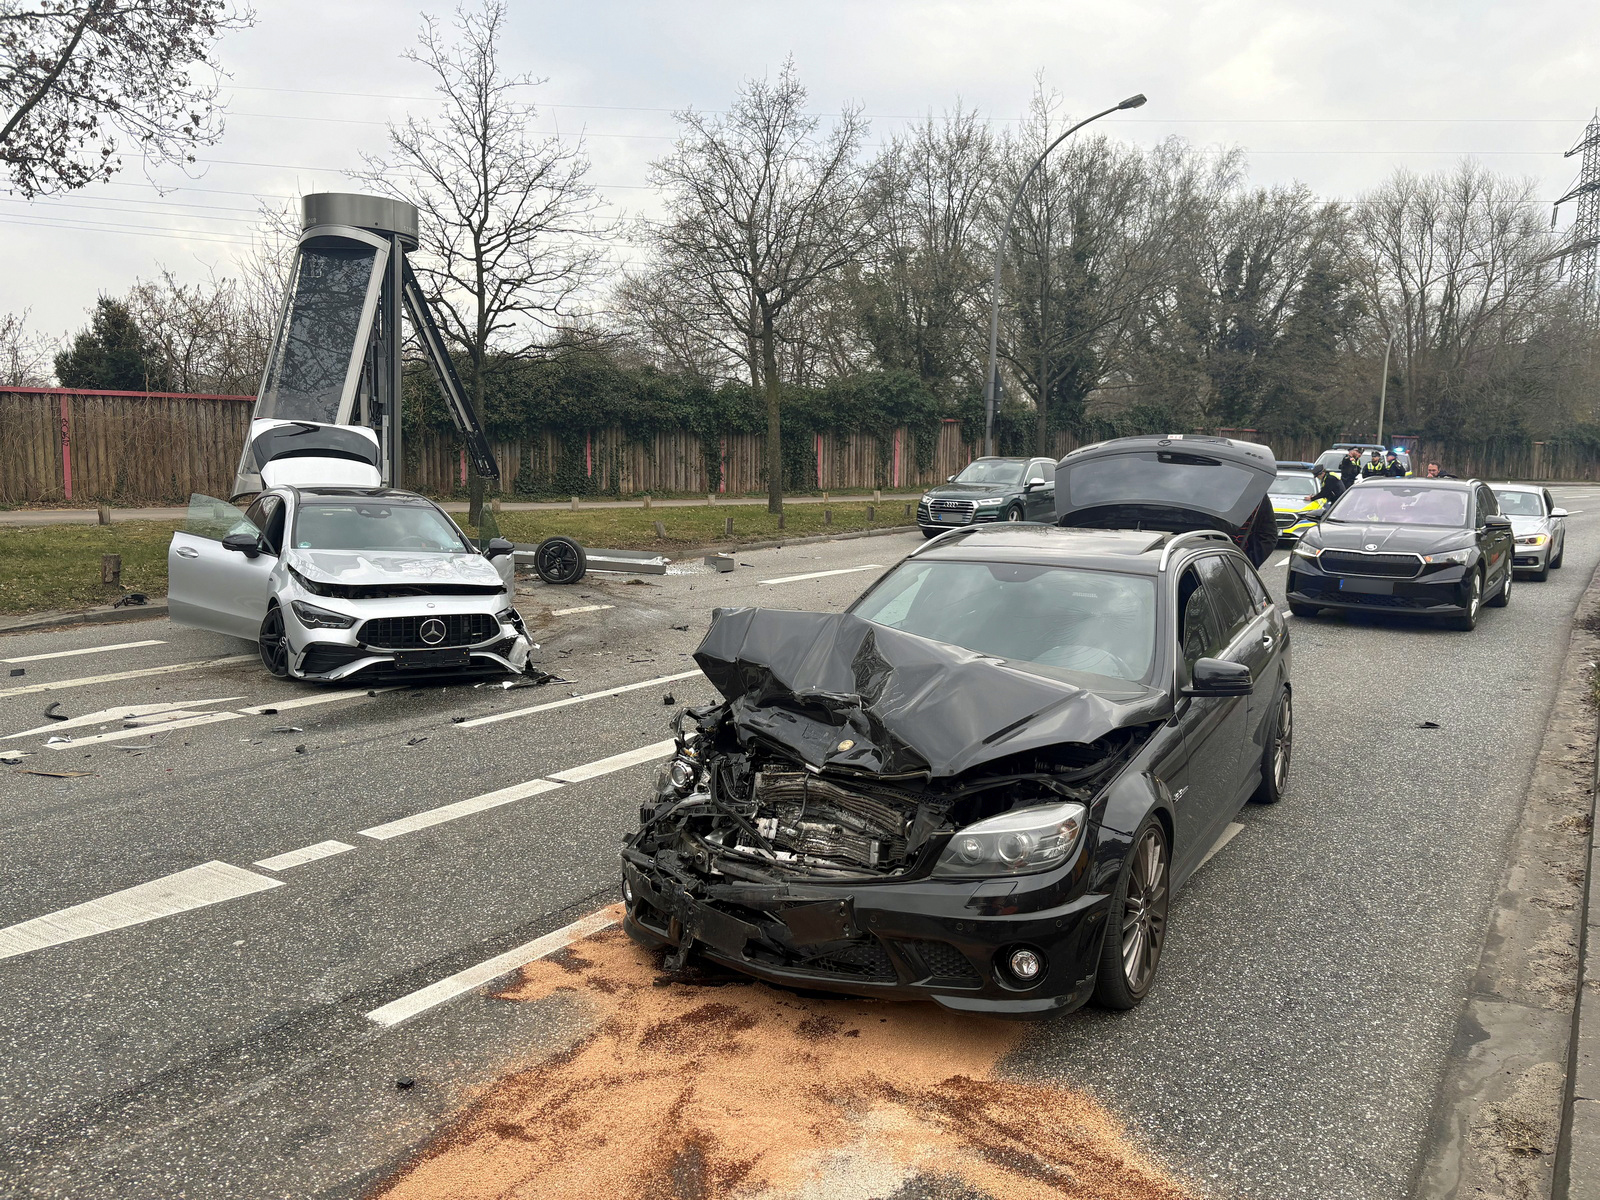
(25, 356)
(760, 210)
(80, 77)
(508, 238)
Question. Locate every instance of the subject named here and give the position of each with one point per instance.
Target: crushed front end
(795, 837)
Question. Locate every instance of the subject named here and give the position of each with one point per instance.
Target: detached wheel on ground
(1503, 596)
(1467, 619)
(273, 642)
(560, 560)
(1276, 753)
(1136, 924)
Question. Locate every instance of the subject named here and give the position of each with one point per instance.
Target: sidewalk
(1578, 1170)
(89, 516)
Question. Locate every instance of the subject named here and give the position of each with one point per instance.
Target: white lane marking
(306, 854)
(1281, 561)
(461, 808)
(144, 730)
(489, 970)
(617, 762)
(821, 574)
(86, 680)
(209, 883)
(85, 650)
(122, 712)
(567, 612)
(600, 695)
(1233, 830)
(258, 710)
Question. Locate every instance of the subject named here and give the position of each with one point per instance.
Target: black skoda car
(981, 784)
(991, 489)
(1435, 547)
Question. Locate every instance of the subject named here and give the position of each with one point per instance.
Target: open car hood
(393, 567)
(1176, 483)
(837, 690)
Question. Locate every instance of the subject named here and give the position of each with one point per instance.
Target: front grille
(323, 657)
(1386, 566)
(405, 633)
(942, 961)
(957, 508)
(866, 959)
(1286, 519)
(1334, 596)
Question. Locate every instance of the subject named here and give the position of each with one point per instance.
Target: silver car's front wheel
(274, 643)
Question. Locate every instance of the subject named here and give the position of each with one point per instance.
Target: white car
(1538, 525)
(331, 580)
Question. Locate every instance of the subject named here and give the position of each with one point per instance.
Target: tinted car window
(1486, 504)
(1520, 504)
(361, 524)
(991, 472)
(1252, 585)
(1198, 632)
(1397, 503)
(1230, 603)
(1075, 620)
(1195, 482)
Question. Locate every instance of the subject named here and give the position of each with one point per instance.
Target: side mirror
(1497, 522)
(497, 547)
(247, 544)
(1218, 677)
(949, 478)
(1558, 512)
(1035, 482)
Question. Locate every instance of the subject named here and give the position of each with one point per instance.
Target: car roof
(1537, 489)
(1127, 550)
(377, 493)
(1421, 481)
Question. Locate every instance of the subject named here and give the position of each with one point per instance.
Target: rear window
(1186, 481)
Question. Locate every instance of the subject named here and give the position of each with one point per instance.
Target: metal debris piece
(61, 774)
(669, 698)
(287, 729)
(1427, 725)
(15, 671)
(681, 628)
(58, 741)
(405, 1083)
(300, 749)
(457, 720)
(269, 712)
(417, 741)
(52, 714)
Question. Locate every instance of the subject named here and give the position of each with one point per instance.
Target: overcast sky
(1336, 95)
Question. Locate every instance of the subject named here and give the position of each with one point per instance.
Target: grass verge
(50, 567)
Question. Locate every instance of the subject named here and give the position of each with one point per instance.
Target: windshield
(1056, 617)
(362, 524)
(992, 471)
(1297, 486)
(1398, 504)
(1520, 504)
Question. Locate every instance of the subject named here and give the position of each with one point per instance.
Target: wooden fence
(59, 444)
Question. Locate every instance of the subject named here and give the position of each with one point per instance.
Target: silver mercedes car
(330, 580)
(1538, 524)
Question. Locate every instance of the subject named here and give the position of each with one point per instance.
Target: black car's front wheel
(273, 642)
(1276, 753)
(1136, 924)
(1467, 619)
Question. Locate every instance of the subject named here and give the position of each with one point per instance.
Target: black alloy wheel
(1014, 513)
(1467, 619)
(1275, 755)
(1136, 923)
(560, 560)
(273, 642)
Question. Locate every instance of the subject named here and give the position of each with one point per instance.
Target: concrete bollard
(711, 497)
(723, 563)
(661, 530)
(824, 497)
(727, 527)
(827, 516)
(494, 505)
(877, 495)
(647, 502)
(780, 520)
(574, 504)
(103, 512)
(111, 568)
(908, 508)
(872, 513)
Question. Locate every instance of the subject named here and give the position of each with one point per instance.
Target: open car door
(210, 586)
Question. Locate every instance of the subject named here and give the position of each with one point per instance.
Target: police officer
(1258, 537)
(1332, 486)
(1350, 467)
(1394, 467)
(1375, 467)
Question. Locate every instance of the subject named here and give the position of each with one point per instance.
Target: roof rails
(1202, 534)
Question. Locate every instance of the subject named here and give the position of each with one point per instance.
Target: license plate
(432, 660)
(951, 518)
(1368, 587)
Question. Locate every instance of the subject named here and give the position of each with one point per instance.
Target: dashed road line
(616, 762)
(114, 677)
(86, 650)
(182, 891)
(567, 612)
(600, 695)
(144, 730)
(306, 854)
(461, 808)
(491, 969)
(122, 712)
(277, 706)
(821, 574)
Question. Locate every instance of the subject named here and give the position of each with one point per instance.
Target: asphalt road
(1309, 992)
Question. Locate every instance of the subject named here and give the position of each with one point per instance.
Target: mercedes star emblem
(1370, 546)
(433, 631)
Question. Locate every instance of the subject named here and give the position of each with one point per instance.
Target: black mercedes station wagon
(1422, 546)
(982, 784)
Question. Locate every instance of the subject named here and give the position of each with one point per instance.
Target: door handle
(188, 552)
(1267, 640)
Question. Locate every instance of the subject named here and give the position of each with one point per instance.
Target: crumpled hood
(393, 567)
(1390, 539)
(838, 690)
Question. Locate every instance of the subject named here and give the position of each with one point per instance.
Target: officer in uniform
(1394, 466)
(1375, 467)
(1332, 486)
(1350, 467)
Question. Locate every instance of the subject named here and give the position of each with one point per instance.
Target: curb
(730, 547)
(93, 616)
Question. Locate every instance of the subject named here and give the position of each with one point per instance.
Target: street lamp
(999, 254)
(1383, 387)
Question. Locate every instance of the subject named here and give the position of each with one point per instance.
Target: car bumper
(1442, 591)
(925, 521)
(1531, 558)
(911, 940)
(328, 655)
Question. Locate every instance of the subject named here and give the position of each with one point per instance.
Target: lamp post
(1383, 388)
(999, 255)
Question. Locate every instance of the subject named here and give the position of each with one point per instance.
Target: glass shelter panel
(317, 343)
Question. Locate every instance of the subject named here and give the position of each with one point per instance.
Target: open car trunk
(313, 454)
(1175, 483)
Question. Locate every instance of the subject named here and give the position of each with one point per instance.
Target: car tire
(1467, 619)
(1543, 573)
(1138, 910)
(1555, 563)
(273, 642)
(1503, 596)
(1276, 754)
(1303, 610)
(1014, 513)
(560, 560)
(931, 533)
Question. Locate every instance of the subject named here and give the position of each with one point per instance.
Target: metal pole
(999, 255)
(1383, 388)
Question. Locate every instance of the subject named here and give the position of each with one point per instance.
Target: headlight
(313, 617)
(677, 777)
(1533, 539)
(1305, 551)
(991, 502)
(1014, 843)
(1453, 556)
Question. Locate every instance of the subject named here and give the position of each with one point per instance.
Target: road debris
(272, 712)
(11, 756)
(669, 699)
(287, 729)
(300, 749)
(1427, 725)
(60, 774)
(131, 600)
(681, 628)
(417, 741)
(15, 671)
(58, 741)
(51, 713)
(405, 1083)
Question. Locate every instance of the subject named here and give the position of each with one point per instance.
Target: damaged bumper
(907, 940)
